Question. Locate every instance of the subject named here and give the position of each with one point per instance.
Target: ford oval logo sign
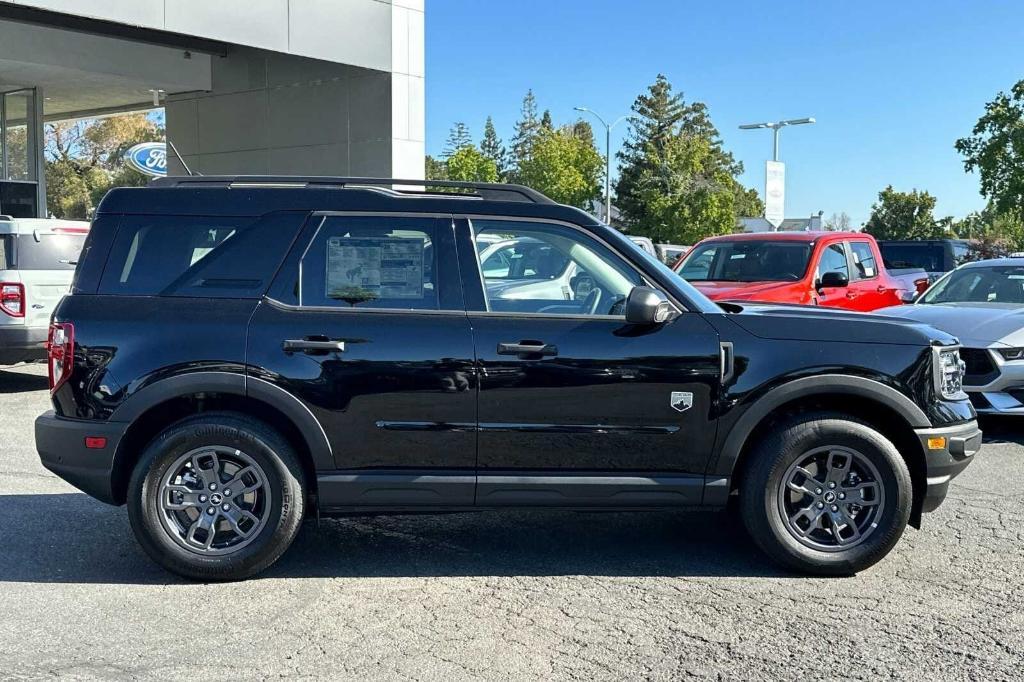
(149, 158)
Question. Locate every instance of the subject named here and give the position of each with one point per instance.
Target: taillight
(12, 298)
(60, 351)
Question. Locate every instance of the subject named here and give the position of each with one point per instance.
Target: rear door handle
(308, 345)
(528, 348)
(882, 289)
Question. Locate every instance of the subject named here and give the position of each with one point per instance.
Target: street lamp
(608, 159)
(776, 126)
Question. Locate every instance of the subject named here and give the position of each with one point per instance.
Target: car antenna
(181, 160)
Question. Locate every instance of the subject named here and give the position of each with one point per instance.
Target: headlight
(949, 374)
(1012, 353)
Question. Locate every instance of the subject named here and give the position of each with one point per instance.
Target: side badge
(680, 401)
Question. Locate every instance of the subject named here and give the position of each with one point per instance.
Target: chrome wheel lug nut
(211, 511)
(202, 498)
(227, 493)
(842, 496)
(213, 486)
(226, 507)
(821, 505)
(832, 485)
(835, 507)
(817, 491)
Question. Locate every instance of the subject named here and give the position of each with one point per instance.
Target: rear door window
(863, 260)
(207, 257)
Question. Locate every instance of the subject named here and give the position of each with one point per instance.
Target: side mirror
(834, 280)
(644, 305)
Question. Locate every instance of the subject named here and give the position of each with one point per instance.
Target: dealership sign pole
(775, 171)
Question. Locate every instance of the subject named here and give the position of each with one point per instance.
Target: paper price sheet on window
(384, 267)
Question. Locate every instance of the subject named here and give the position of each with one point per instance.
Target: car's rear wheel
(217, 496)
(826, 494)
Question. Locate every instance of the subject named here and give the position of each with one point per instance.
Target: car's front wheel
(826, 494)
(218, 496)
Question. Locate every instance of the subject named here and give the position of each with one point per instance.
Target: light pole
(775, 172)
(607, 157)
(776, 126)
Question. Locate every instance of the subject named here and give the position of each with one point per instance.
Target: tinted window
(49, 251)
(747, 261)
(901, 255)
(833, 259)
(551, 269)
(372, 262)
(226, 257)
(863, 260)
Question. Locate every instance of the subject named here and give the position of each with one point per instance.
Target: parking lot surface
(522, 595)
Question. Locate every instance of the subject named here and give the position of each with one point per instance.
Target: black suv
(239, 353)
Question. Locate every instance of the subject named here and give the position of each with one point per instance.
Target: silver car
(982, 304)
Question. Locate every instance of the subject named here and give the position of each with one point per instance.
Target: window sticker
(365, 269)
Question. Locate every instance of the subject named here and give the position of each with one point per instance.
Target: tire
(776, 490)
(171, 483)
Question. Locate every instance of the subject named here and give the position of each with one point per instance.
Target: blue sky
(892, 84)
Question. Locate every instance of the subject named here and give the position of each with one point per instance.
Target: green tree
(469, 164)
(565, 167)
(526, 130)
(458, 138)
(85, 159)
(903, 215)
(996, 151)
(545, 121)
(676, 183)
(493, 149)
(435, 168)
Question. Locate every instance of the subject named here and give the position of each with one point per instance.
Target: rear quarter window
(198, 256)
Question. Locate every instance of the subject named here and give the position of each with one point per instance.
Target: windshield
(747, 261)
(930, 257)
(997, 284)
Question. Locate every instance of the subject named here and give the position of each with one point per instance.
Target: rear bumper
(21, 344)
(945, 463)
(61, 446)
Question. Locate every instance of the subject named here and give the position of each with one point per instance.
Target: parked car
(525, 267)
(982, 304)
(671, 253)
(240, 353)
(37, 261)
(837, 269)
(934, 256)
(645, 243)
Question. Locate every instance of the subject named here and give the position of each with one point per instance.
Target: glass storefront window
(17, 154)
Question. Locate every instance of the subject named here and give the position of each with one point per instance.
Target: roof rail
(494, 191)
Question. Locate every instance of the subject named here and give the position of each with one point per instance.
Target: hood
(814, 323)
(977, 325)
(722, 291)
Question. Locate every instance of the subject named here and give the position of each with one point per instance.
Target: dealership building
(314, 87)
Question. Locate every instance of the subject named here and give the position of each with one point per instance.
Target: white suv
(37, 262)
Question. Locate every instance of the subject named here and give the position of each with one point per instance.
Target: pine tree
(676, 182)
(545, 121)
(526, 131)
(458, 138)
(493, 149)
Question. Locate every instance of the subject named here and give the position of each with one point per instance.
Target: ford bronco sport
(239, 353)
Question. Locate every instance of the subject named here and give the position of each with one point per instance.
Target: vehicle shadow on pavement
(71, 538)
(19, 382)
(1002, 429)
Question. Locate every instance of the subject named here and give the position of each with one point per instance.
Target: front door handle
(310, 345)
(528, 348)
(882, 289)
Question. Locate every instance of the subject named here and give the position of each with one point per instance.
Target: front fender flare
(826, 384)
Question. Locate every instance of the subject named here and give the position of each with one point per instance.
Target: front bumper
(61, 446)
(1000, 389)
(945, 463)
(22, 344)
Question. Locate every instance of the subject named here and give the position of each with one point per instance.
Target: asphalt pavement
(522, 595)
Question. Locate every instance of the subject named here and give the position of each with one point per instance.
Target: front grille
(980, 369)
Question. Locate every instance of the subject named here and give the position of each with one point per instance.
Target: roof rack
(494, 191)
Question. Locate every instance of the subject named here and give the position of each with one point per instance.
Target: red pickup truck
(840, 269)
